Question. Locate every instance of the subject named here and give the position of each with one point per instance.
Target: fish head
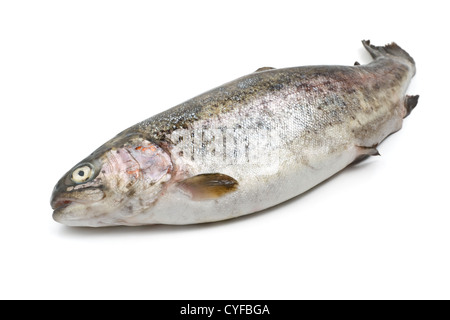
(118, 181)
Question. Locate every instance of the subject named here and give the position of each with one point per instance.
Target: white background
(75, 73)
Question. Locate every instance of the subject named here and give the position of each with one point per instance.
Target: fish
(242, 147)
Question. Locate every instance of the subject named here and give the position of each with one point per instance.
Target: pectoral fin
(208, 186)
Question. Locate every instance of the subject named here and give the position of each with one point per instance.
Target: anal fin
(364, 153)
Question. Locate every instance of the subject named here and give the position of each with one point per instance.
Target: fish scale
(242, 147)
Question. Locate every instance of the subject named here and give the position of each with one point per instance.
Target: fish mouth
(66, 209)
(74, 213)
(72, 203)
(69, 209)
(59, 204)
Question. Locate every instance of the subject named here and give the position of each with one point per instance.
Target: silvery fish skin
(242, 147)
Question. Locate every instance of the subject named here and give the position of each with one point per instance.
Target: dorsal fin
(264, 69)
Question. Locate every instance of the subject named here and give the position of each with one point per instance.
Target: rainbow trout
(242, 147)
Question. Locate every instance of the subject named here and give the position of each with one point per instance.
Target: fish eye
(82, 174)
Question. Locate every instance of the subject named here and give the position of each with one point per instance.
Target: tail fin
(391, 49)
(410, 103)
